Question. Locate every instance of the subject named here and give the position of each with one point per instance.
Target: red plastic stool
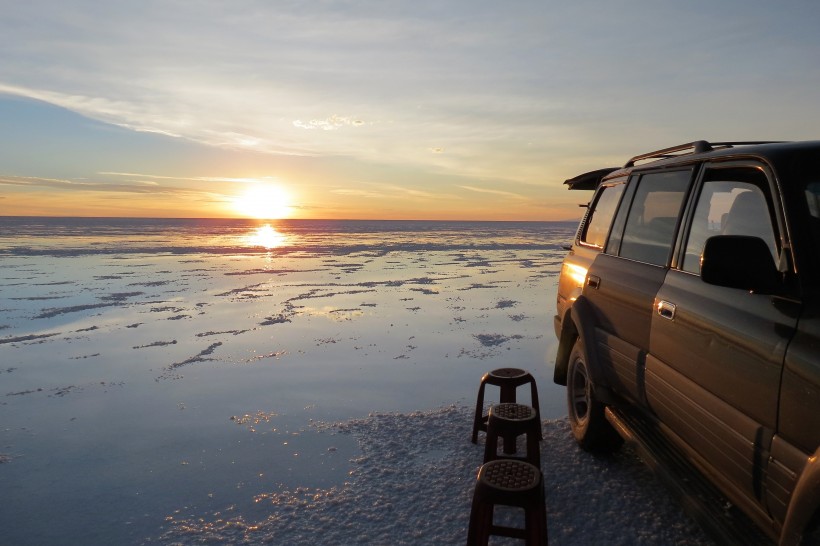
(508, 483)
(509, 421)
(508, 380)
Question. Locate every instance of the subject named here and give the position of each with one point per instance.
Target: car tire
(589, 425)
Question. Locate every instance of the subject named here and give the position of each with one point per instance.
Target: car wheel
(586, 414)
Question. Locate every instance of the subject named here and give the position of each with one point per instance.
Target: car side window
(650, 226)
(600, 216)
(732, 202)
(813, 198)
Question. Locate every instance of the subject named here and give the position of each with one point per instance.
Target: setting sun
(264, 202)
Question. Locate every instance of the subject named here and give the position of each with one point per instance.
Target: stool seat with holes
(508, 483)
(508, 380)
(508, 422)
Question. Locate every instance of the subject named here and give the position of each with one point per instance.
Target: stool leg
(509, 444)
(494, 431)
(507, 395)
(536, 526)
(479, 412)
(534, 447)
(534, 397)
(491, 443)
(541, 517)
(481, 520)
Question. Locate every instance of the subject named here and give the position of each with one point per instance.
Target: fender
(582, 325)
(577, 323)
(566, 333)
(804, 504)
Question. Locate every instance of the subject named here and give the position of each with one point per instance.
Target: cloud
(493, 192)
(138, 187)
(511, 92)
(257, 180)
(42, 182)
(282, 78)
(330, 124)
(352, 192)
(393, 192)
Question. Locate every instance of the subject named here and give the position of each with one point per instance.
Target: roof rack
(696, 147)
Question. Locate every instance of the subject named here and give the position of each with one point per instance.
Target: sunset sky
(380, 109)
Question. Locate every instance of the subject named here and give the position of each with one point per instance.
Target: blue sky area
(379, 109)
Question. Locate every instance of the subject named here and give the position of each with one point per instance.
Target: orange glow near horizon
(269, 199)
(263, 202)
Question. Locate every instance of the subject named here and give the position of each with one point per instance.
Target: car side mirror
(739, 261)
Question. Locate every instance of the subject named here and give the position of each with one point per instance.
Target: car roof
(695, 151)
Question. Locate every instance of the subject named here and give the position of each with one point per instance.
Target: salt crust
(412, 483)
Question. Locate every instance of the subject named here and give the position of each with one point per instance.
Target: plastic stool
(508, 483)
(508, 380)
(509, 421)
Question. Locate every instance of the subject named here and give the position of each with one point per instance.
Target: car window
(600, 217)
(650, 226)
(813, 198)
(731, 202)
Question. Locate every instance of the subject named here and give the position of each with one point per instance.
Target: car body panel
(622, 304)
(731, 376)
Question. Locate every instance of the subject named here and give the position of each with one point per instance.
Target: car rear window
(600, 216)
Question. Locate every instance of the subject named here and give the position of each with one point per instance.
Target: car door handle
(593, 281)
(666, 309)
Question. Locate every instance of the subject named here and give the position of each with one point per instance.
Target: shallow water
(153, 368)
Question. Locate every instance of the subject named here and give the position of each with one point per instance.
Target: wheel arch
(565, 342)
(803, 514)
(577, 324)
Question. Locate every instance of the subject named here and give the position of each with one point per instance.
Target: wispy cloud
(87, 186)
(192, 178)
(396, 193)
(288, 78)
(332, 123)
(44, 182)
(493, 192)
(352, 192)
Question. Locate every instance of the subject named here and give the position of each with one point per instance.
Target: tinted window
(600, 217)
(653, 215)
(731, 202)
(813, 198)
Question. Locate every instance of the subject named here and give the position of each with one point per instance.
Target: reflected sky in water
(132, 360)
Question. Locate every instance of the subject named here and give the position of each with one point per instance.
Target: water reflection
(265, 236)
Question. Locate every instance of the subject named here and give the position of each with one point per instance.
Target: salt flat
(174, 386)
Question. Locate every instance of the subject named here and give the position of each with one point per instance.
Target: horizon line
(277, 219)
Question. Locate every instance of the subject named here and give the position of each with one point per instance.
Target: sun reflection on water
(265, 236)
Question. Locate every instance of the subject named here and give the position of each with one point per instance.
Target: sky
(382, 109)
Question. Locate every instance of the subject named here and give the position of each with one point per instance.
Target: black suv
(688, 312)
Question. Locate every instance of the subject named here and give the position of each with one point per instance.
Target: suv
(688, 319)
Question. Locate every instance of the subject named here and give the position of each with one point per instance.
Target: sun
(264, 202)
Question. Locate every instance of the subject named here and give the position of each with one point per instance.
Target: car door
(716, 353)
(798, 436)
(623, 280)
